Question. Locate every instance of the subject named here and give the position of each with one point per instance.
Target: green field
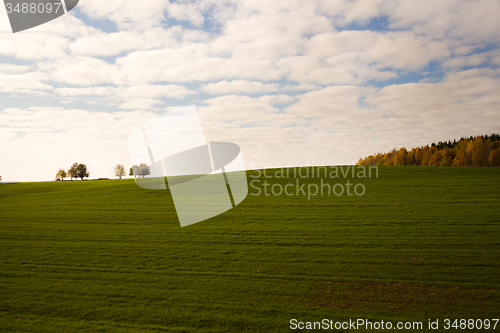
(107, 256)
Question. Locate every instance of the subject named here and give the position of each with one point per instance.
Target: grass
(107, 256)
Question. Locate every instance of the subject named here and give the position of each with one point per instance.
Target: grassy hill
(106, 256)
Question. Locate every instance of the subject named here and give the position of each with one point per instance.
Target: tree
(81, 171)
(389, 157)
(428, 154)
(480, 153)
(445, 161)
(435, 159)
(494, 158)
(447, 157)
(141, 170)
(401, 157)
(471, 146)
(461, 158)
(119, 171)
(61, 174)
(72, 171)
(131, 172)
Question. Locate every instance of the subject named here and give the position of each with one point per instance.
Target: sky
(292, 82)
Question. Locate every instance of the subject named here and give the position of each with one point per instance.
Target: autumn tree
(494, 158)
(400, 156)
(411, 160)
(480, 152)
(81, 171)
(418, 155)
(61, 174)
(379, 158)
(469, 152)
(119, 171)
(72, 171)
(447, 156)
(461, 158)
(435, 159)
(429, 152)
(389, 157)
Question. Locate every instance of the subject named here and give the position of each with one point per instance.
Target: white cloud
(106, 44)
(239, 86)
(461, 91)
(115, 43)
(127, 14)
(32, 46)
(155, 91)
(187, 64)
(469, 22)
(140, 103)
(298, 87)
(473, 60)
(238, 113)
(137, 97)
(143, 90)
(308, 69)
(13, 69)
(23, 82)
(83, 71)
(398, 50)
(88, 91)
(269, 35)
(186, 12)
(333, 102)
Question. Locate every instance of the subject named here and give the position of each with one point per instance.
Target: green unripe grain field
(107, 256)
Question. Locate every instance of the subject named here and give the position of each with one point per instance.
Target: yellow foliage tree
(494, 158)
(428, 154)
(401, 156)
(480, 152)
(447, 156)
(435, 159)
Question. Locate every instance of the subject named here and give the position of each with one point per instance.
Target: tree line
(79, 170)
(479, 151)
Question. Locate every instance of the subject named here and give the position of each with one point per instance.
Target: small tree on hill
(140, 170)
(119, 171)
(61, 174)
(144, 170)
(72, 171)
(81, 171)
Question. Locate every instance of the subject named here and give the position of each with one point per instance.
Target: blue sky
(291, 82)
